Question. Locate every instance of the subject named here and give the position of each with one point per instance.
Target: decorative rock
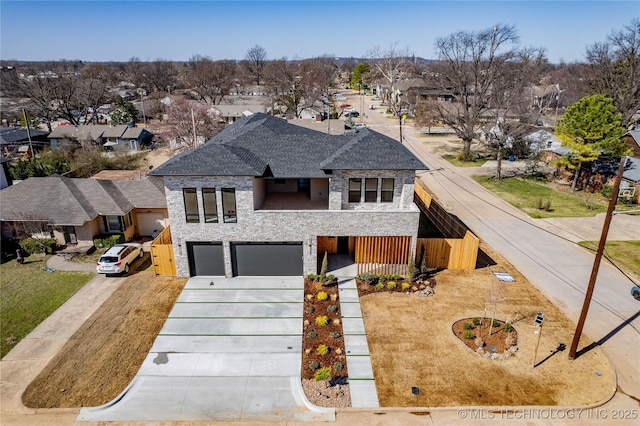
(480, 350)
(487, 355)
(513, 349)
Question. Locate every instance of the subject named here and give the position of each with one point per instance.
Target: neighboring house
(311, 114)
(110, 137)
(75, 210)
(632, 140)
(230, 113)
(265, 197)
(5, 176)
(12, 139)
(630, 182)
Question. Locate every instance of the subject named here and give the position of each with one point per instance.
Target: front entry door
(70, 235)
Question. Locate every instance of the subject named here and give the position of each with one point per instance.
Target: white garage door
(149, 222)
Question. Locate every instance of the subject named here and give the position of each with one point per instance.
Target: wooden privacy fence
(382, 255)
(449, 253)
(164, 263)
(459, 251)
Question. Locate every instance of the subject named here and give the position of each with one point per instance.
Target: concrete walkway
(229, 351)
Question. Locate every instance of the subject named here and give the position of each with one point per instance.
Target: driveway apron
(230, 350)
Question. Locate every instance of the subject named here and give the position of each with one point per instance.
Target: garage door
(281, 258)
(149, 222)
(205, 258)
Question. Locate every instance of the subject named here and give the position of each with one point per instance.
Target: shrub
(312, 277)
(310, 309)
(322, 295)
(380, 286)
(322, 320)
(330, 279)
(391, 285)
(322, 350)
(335, 335)
(312, 335)
(607, 190)
(38, 245)
(547, 205)
(476, 321)
(406, 286)
(467, 326)
(368, 277)
(495, 323)
(540, 204)
(332, 308)
(106, 241)
(338, 366)
(314, 365)
(508, 328)
(468, 334)
(322, 374)
(323, 268)
(411, 268)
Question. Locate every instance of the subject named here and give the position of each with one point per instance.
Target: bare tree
(615, 69)
(256, 60)
(211, 80)
(470, 63)
(494, 296)
(427, 114)
(390, 64)
(190, 124)
(282, 80)
(156, 76)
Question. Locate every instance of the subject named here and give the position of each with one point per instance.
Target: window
(191, 205)
(370, 190)
(386, 192)
(355, 185)
(113, 223)
(229, 205)
(210, 207)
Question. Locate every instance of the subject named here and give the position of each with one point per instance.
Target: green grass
(30, 295)
(478, 162)
(525, 194)
(625, 254)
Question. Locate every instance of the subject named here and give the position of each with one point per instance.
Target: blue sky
(93, 30)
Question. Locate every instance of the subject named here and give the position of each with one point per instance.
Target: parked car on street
(118, 259)
(635, 292)
(359, 126)
(352, 114)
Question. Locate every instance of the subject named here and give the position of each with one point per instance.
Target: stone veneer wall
(399, 218)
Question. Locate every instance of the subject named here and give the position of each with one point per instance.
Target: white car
(118, 259)
(359, 126)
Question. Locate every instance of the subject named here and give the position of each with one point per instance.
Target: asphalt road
(544, 253)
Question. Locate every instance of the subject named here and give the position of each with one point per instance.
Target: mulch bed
(330, 335)
(496, 342)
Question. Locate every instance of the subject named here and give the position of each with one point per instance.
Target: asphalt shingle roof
(11, 135)
(67, 201)
(260, 144)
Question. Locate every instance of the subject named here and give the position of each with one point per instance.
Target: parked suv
(118, 259)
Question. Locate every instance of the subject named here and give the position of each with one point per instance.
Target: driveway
(229, 351)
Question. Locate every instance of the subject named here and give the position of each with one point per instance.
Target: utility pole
(26, 123)
(596, 261)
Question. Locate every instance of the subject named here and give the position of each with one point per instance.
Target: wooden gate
(449, 253)
(164, 263)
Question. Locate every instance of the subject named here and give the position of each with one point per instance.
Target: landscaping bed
(486, 339)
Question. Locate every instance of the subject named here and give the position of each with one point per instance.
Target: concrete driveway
(229, 351)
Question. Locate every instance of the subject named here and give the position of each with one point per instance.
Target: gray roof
(11, 135)
(632, 169)
(87, 132)
(262, 145)
(67, 201)
(115, 131)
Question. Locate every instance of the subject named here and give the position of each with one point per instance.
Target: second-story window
(229, 205)
(370, 190)
(210, 207)
(355, 185)
(386, 192)
(191, 205)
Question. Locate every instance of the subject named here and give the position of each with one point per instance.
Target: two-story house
(265, 197)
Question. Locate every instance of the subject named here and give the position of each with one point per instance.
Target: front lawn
(625, 254)
(30, 295)
(540, 200)
(453, 159)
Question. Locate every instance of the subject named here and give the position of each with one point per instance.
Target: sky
(97, 30)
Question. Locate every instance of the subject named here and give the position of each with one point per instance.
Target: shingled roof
(12, 135)
(39, 198)
(262, 145)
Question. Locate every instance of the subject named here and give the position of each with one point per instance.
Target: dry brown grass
(103, 356)
(412, 344)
